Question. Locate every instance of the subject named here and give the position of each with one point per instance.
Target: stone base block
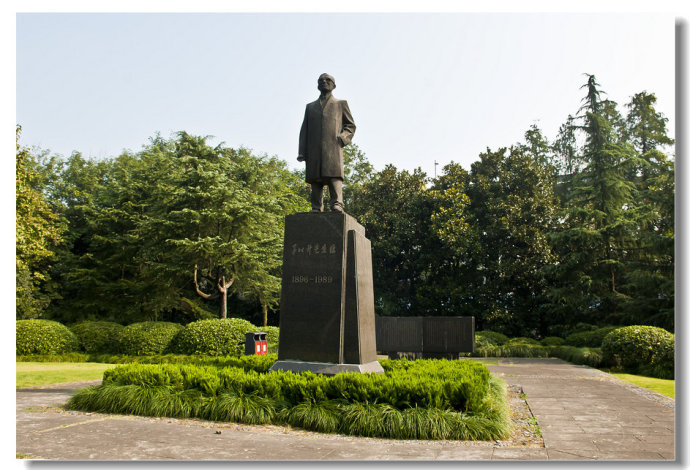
(327, 368)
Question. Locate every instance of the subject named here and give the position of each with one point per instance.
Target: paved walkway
(583, 414)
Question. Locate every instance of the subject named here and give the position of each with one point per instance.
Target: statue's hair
(328, 76)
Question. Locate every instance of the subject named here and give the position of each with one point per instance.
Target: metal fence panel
(399, 334)
(425, 334)
(448, 334)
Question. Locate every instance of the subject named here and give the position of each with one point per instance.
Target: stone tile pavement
(584, 414)
(587, 414)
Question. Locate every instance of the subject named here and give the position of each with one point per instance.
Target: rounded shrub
(552, 341)
(589, 339)
(216, 337)
(663, 360)
(98, 336)
(272, 333)
(522, 340)
(44, 337)
(147, 338)
(490, 337)
(640, 347)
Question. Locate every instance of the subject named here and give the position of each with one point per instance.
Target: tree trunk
(265, 309)
(223, 289)
(224, 303)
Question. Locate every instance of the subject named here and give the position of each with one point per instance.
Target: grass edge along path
(664, 387)
(36, 374)
(364, 419)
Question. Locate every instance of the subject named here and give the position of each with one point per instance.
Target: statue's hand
(301, 158)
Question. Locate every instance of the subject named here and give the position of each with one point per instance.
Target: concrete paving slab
(520, 454)
(583, 413)
(629, 455)
(570, 455)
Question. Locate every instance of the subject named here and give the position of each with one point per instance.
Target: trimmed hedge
(589, 339)
(640, 348)
(216, 337)
(585, 356)
(272, 335)
(521, 340)
(552, 341)
(98, 336)
(146, 338)
(63, 357)
(44, 337)
(256, 363)
(490, 337)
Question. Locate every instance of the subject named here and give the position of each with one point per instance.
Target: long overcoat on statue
(318, 138)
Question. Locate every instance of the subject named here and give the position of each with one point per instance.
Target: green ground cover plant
(34, 374)
(257, 363)
(424, 399)
(64, 357)
(663, 386)
(584, 356)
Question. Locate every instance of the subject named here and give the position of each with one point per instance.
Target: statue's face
(325, 84)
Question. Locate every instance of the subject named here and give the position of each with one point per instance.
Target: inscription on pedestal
(326, 307)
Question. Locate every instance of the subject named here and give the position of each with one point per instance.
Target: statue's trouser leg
(317, 197)
(335, 188)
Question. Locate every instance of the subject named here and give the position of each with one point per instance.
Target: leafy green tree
(649, 280)
(597, 220)
(150, 230)
(218, 215)
(38, 231)
(496, 224)
(72, 188)
(645, 127)
(358, 171)
(566, 159)
(393, 207)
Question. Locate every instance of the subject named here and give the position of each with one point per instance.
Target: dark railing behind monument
(417, 337)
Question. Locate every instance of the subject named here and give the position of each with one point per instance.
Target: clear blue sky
(421, 87)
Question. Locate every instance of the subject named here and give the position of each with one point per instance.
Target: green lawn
(32, 374)
(665, 387)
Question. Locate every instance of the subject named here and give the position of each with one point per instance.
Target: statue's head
(326, 82)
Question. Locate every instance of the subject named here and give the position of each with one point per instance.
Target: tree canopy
(532, 237)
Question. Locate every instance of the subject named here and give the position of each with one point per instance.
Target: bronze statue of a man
(326, 129)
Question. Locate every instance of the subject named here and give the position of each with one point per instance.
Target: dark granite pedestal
(327, 321)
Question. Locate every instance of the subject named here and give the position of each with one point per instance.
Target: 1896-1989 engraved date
(318, 279)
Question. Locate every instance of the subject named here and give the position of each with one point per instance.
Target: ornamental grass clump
(425, 399)
(44, 337)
